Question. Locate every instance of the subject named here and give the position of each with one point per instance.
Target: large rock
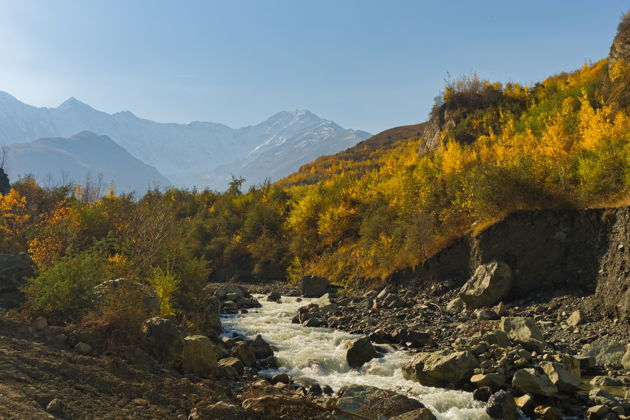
(243, 352)
(417, 414)
(501, 406)
(14, 270)
(625, 360)
(212, 315)
(229, 292)
(234, 363)
(261, 348)
(313, 286)
(128, 287)
(374, 403)
(199, 356)
(520, 328)
(490, 283)
(528, 381)
(360, 351)
(491, 380)
(561, 377)
(164, 340)
(606, 350)
(441, 369)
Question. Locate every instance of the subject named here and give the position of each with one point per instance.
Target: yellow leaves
(57, 234)
(455, 158)
(13, 219)
(597, 125)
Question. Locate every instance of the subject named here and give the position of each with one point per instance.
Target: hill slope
(83, 155)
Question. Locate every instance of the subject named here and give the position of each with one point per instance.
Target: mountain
(81, 156)
(194, 154)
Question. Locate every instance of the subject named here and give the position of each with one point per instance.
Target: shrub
(165, 283)
(66, 290)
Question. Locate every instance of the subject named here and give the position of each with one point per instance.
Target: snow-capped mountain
(85, 155)
(201, 154)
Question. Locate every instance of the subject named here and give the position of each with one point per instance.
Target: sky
(364, 64)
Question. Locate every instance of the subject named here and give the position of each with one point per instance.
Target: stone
(576, 318)
(501, 406)
(484, 315)
(212, 315)
(360, 351)
(234, 363)
(497, 337)
(412, 338)
(586, 362)
(83, 348)
(54, 406)
(313, 286)
(596, 412)
(490, 284)
(601, 396)
(606, 350)
(261, 348)
(560, 376)
(570, 362)
(492, 380)
(441, 368)
(14, 270)
(224, 290)
(199, 356)
(625, 360)
(371, 402)
(39, 323)
(528, 381)
(245, 354)
(281, 377)
(520, 328)
(600, 381)
(547, 413)
(500, 309)
(455, 306)
(482, 394)
(418, 414)
(111, 289)
(526, 403)
(274, 297)
(164, 340)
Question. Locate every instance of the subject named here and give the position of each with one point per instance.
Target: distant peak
(73, 103)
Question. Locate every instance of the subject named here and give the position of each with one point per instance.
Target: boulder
(482, 394)
(374, 403)
(441, 368)
(14, 270)
(232, 290)
(560, 376)
(199, 356)
(520, 328)
(245, 354)
(281, 378)
(274, 297)
(500, 338)
(411, 337)
(606, 350)
(455, 306)
(261, 348)
(417, 414)
(490, 284)
(164, 340)
(547, 413)
(233, 363)
(313, 286)
(526, 403)
(128, 287)
(528, 381)
(576, 318)
(492, 380)
(360, 351)
(212, 315)
(501, 406)
(83, 348)
(625, 360)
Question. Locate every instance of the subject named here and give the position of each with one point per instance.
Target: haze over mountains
(201, 154)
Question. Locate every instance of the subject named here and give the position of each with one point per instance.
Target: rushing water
(318, 353)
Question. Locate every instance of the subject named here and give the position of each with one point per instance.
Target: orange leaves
(56, 235)
(13, 220)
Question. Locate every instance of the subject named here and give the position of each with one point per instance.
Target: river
(317, 353)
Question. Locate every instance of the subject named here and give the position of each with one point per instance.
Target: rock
(576, 318)
(374, 403)
(601, 396)
(547, 413)
(497, 337)
(164, 340)
(219, 410)
(625, 360)
(233, 290)
(484, 315)
(500, 309)
(274, 297)
(280, 377)
(418, 414)
(83, 348)
(560, 376)
(600, 381)
(501, 406)
(482, 394)
(520, 328)
(526, 403)
(14, 270)
(490, 283)
(441, 368)
(313, 322)
(313, 286)
(245, 354)
(261, 348)
(527, 381)
(233, 363)
(606, 350)
(54, 406)
(360, 351)
(455, 306)
(199, 356)
(39, 323)
(492, 380)
(569, 362)
(113, 288)
(212, 316)
(596, 412)
(412, 338)
(586, 362)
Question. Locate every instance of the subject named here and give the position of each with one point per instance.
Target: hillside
(200, 154)
(82, 156)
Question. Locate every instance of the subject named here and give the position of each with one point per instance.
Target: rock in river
(441, 368)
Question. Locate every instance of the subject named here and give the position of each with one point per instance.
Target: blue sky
(365, 64)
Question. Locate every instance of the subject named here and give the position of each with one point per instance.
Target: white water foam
(318, 353)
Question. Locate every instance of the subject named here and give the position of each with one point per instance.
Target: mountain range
(197, 154)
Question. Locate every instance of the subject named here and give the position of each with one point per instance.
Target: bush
(66, 290)
(165, 284)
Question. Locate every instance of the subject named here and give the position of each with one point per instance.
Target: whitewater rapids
(318, 354)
